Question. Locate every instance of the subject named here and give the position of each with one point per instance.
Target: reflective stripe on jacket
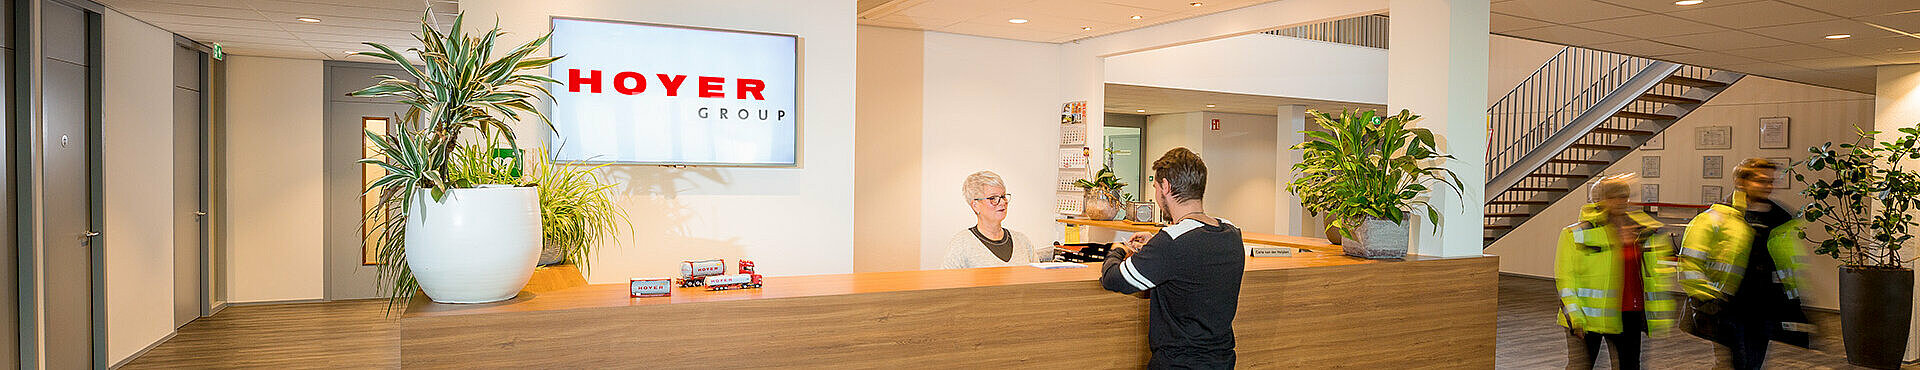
(1589, 273)
(1713, 254)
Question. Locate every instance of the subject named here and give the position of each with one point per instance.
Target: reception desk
(1309, 310)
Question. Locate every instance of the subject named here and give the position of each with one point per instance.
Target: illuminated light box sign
(654, 94)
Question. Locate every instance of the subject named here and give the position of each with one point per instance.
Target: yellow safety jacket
(1713, 255)
(1589, 274)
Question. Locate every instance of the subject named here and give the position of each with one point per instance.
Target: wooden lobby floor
(355, 335)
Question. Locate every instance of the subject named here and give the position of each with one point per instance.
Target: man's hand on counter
(1138, 240)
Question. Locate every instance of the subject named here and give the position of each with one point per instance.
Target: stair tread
(1669, 99)
(1509, 202)
(1622, 131)
(1647, 116)
(1496, 226)
(1517, 188)
(1600, 146)
(1577, 161)
(1559, 175)
(1508, 215)
(1690, 81)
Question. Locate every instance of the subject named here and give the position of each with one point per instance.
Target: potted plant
(1367, 173)
(465, 236)
(1867, 212)
(1102, 195)
(576, 210)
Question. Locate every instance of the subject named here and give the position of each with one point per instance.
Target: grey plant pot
(550, 254)
(1378, 238)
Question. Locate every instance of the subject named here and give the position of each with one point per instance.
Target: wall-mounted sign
(656, 94)
(1215, 124)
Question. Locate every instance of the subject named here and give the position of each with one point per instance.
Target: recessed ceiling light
(308, 19)
(1136, 17)
(1194, 4)
(1017, 20)
(1689, 2)
(1140, 110)
(1211, 105)
(1086, 28)
(1838, 36)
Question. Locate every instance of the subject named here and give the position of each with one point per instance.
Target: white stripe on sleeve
(1134, 277)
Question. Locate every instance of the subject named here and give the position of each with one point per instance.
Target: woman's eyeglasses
(997, 199)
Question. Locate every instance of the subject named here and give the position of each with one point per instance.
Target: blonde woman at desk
(987, 243)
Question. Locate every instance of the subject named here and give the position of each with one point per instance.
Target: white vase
(475, 245)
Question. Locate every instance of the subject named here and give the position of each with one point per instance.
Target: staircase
(1575, 116)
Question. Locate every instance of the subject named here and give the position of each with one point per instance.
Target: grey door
(9, 274)
(188, 215)
(348, 274)
(68, 186)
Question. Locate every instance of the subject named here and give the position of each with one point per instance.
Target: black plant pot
(1876, 308)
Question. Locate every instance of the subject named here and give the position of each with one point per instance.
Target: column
(1289, 218)
(1896, 104)
(1437, 67)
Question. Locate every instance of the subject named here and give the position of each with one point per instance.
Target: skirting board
(143, 351)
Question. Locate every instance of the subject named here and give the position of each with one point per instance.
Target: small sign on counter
(1269, 252)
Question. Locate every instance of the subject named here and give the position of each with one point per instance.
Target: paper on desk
(1056, 265)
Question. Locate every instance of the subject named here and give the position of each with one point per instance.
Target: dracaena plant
(1867, 207)
(459, 86)
(1363, 165)
(577, 212)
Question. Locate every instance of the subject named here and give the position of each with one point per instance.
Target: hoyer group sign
(654, 94)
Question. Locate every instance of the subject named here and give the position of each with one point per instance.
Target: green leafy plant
(1105, 181)
(1368, 166)
(577, 212)
(461, 86)
(1867, 208)
(489, 161)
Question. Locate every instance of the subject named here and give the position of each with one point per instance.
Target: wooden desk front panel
(1435, 313)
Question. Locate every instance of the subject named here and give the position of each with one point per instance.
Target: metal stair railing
(1561, 102)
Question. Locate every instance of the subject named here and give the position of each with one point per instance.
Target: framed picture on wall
(1657, 142)
(1774, 133)
(1782, 180)
(1713, 166)
(1649, 193)
(1713, 137)
(1650, 166)
(1710, 194)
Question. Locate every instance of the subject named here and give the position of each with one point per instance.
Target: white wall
(1240, 160)
(1818, 115)
(1261, 64)
(274, 187)
(137, 152)
(792, 221)
(886, 213)
(991, 105)
(1511, 60)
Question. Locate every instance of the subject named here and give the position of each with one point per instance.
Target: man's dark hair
(1186, 175)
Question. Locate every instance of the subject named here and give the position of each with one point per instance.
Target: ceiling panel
(270, 27)
(1725, 40)
(1503, 23)
(1643, 48)
(1906, 22)
(1856, 8)
(1664, 6)
(1049, 20)
(1785, 52)
(1650, 26)
(1753, 15)
(1709, 59)
(1565, 11)
(1816, 32)
(1570, 34)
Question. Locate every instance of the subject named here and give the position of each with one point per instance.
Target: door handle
(90, 234)
(201, 213)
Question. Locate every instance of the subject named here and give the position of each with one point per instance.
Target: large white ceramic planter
(475, 245)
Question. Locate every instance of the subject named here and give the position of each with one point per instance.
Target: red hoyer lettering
(634, 83)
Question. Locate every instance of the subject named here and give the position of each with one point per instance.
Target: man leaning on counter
(1190, 271)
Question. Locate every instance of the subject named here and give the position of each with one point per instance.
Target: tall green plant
(458, 86)
(1368, 166)
(1867, 208)
(577, 212)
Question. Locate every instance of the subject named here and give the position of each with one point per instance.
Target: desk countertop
(777, 287)
(1302, 242)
